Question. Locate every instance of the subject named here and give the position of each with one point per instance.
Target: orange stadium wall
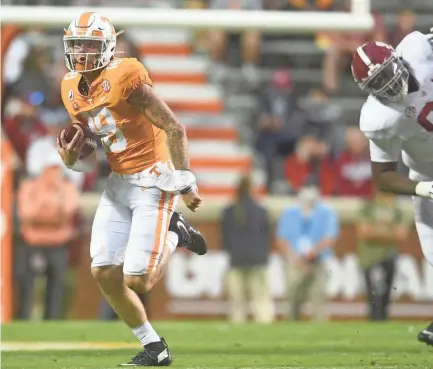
(194, 286)
(8, 33)
(6, 231)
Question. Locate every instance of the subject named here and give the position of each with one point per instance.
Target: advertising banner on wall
(195, 286)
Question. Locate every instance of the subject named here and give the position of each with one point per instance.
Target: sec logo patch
(410, 111)
(106, 85)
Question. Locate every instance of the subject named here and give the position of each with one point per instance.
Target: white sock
(172, 241)
(146, 334)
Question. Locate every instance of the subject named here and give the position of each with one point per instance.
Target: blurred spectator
(22, 124)
(306, 5)
(40, 2)
(34, 82)
(195, 4)
(310, 165)
(246, 237)
(405, 25)
(47, 207)
(280, 122)
(32, 96)
(130, 3)
(353, 169)
(380, 228)
(323, 118)
(221, 44)
(42, 148)
(34, 114)
(294, 5)
(13, 55)
(124, 45)
(306, 236)
(284, 121)
(275, 5)
(342, 46)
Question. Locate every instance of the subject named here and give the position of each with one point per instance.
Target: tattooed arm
(160, 115)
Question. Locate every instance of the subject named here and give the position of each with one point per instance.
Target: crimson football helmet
(378, 70)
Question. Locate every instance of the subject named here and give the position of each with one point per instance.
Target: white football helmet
(90, 43)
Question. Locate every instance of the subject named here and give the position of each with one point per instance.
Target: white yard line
(43, 346)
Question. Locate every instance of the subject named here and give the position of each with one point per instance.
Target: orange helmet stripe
(84, 19)
(112, 27)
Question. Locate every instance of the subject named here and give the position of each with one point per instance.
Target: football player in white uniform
(397, 118)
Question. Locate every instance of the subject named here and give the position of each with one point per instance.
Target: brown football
(90, 142)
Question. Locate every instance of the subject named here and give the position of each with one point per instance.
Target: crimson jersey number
(423, 117)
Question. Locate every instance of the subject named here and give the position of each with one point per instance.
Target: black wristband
(186, 190)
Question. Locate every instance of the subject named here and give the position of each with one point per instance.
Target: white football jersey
(405, 127)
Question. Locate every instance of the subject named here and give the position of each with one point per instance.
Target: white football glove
(424, 189)
(178, 181)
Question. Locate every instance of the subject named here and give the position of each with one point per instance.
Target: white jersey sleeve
(416, 47)
(378, 123)
(385, 150)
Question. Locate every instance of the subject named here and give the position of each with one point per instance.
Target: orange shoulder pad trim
(127, 74)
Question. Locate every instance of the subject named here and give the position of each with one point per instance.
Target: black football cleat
(189, 237)
(426, 335)
(153, 354)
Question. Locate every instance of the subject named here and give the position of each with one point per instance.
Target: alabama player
(133, 232)
(397, 118)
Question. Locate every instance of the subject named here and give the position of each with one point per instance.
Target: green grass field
(79, 345)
